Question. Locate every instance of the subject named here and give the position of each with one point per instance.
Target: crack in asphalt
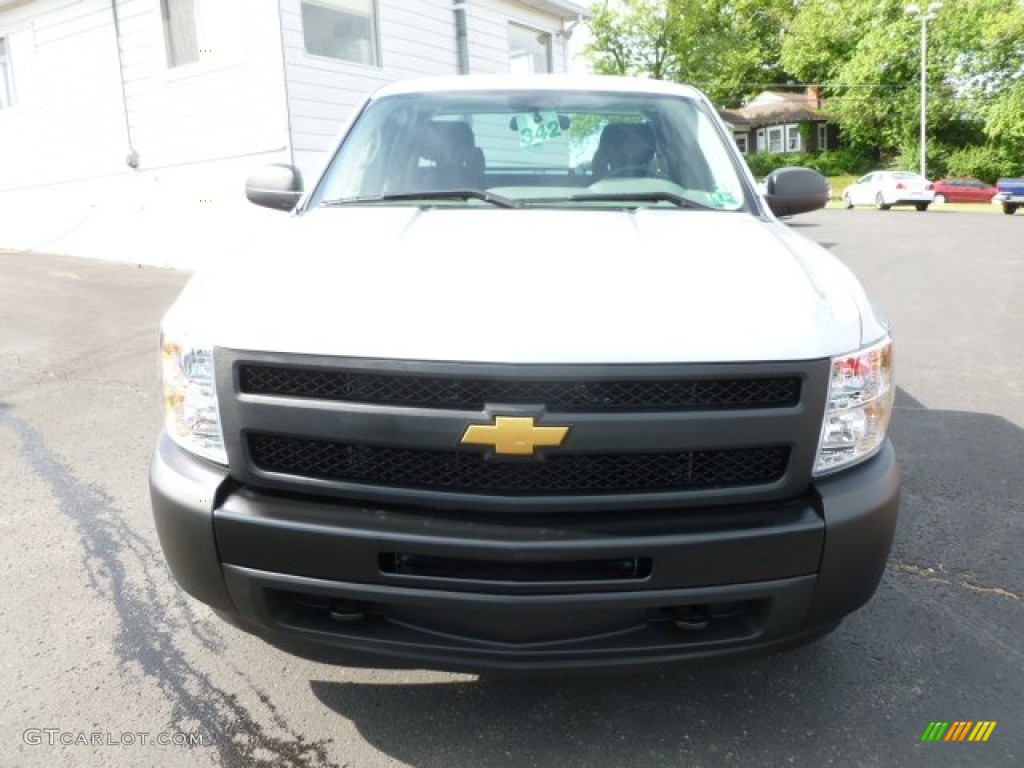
(148, 621)
(963, 580)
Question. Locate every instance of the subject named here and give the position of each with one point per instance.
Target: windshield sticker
(723, 199)
(537, 128)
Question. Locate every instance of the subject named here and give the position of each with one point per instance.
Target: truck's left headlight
(860, 402)
(191, 415)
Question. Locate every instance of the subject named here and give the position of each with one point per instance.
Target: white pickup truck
(531, 377)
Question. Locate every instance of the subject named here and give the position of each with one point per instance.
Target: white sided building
(127, 127)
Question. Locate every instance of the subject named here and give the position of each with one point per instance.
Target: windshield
(534, 148)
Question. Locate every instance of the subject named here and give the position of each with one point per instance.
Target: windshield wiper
(438, 194)
(627, 197)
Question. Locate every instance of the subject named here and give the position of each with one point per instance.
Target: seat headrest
(612, 135)
(623, 146)
(444, 139)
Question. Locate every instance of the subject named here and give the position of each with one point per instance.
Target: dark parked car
(963, 191)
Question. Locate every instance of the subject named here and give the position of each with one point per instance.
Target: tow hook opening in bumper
(349, 611)
(691, 617)
(734, 616)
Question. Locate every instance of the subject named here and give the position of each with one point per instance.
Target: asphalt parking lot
(104, 658)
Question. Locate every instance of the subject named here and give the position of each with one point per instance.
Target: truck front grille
(640, 435)
(474, 392)
(470, 472)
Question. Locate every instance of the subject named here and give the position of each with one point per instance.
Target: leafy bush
(838, 184)
(763, 163)
(838, 162)
(909, 159)
(832, 163)
(986, 163)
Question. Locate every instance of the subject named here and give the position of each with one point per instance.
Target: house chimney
(814, 96)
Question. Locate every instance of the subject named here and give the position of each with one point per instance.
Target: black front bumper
(352, 582)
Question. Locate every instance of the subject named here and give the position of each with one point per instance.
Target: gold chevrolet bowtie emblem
(514, 435)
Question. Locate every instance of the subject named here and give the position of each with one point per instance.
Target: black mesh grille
(555, 474)
(472, 393)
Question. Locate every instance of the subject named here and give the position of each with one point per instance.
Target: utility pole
(924, 17)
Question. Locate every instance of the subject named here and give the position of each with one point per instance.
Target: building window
(181, 33)
(780, 139)
(342, 29)
(6, 76)
(741, 142)
(529, 51)
(793, 142)
(822, 137)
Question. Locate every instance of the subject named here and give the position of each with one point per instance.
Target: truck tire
(1009, 208)
(921, 206)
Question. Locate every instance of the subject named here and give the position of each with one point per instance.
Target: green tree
(989, 37)
(862, 51)
(634, 41)
(867, 54)
(748, 38)
(729, 48)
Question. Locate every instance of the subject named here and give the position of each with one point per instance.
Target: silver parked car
(884, 189)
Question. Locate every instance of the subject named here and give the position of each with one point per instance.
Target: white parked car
(884, 189)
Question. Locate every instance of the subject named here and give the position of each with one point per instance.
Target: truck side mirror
(789, 191)
(275, 186)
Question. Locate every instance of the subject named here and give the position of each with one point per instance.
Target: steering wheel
(635, 171)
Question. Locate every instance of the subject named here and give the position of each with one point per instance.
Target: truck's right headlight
(860, 402)
(192, 418)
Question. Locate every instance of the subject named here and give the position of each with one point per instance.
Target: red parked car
(963, 191)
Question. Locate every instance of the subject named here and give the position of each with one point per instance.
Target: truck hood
(529, 286)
